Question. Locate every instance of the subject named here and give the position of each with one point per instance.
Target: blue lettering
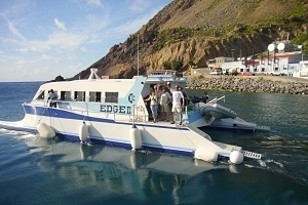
(109, 108)
(122, 110)
(115, 109)
(103, 108)
(129, 110)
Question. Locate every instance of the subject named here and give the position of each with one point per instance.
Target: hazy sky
(40, 39)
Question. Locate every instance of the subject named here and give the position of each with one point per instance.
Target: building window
(80, 95)
(95, 96)
(111, 97)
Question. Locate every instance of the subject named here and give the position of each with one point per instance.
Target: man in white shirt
(177, 104)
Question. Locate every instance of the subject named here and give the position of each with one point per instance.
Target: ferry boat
(113, 111)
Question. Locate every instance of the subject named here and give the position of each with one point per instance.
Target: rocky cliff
(186, 33)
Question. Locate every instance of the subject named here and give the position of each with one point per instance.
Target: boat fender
(45, 131)
(135, 138)
(236, 157)
(83, 132)
(206, 155)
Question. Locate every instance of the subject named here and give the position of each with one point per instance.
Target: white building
(283, 58)
(231, 67)
(302, 70)
(216, 63)
(284, 63)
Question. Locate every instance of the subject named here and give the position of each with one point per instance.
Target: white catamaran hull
(163, 136)
(218, 116)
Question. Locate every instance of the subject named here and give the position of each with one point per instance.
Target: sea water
(39, 171)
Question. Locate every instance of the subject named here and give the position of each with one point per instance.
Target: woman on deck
(153, 104)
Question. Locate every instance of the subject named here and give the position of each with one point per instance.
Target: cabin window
(95, 96)
(80, 95)
(65, 95)
(41, 96)
(111, 97)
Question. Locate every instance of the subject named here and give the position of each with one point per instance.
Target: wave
(18, 134)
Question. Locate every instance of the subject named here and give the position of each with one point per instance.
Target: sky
(41, 39)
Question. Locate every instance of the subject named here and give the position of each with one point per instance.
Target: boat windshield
(41, 95)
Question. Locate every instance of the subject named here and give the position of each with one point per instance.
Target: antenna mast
(138, 54)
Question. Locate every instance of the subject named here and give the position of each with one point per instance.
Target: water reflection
(115, 171)
(99, 174)
(134, 160)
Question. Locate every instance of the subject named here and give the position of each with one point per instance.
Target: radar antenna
(93, 75)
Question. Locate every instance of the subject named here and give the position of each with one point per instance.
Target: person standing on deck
(177, 104)
(169, 90)
(159, 91)
(205, 97)
(153, 104)
(186, 101)
(52, 96)
(164, 101)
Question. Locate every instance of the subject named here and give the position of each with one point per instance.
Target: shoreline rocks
(247, 84)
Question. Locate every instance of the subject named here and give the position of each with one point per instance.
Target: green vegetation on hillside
(170, 36)
(302, 39)
(291, 24)
(173, 65)
(290, 21)
(214, 4)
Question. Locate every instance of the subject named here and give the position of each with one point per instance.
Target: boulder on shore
(249, 84)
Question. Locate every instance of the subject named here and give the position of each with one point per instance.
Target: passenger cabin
(118, 99)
